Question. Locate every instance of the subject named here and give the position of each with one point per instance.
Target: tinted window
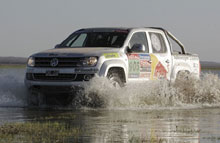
(158, 43)
(139, 38)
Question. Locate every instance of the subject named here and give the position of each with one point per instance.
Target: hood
(76, 52)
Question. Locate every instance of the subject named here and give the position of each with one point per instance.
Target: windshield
(95, 39)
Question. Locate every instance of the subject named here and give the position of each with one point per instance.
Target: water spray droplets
(158, 93)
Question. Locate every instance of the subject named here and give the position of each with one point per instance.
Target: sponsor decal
(153, 65)
(160, 71)
(145, 66)
(145, 75)
(133, 56)
(139, 66)
(134, 65)
(111, 55)
(144, 57)
(157, 68)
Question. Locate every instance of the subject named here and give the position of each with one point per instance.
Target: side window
(176, 49)
(158, 43)
(139, 38)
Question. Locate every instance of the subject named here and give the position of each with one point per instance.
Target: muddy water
(185, 111)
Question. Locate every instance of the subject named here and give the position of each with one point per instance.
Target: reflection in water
(150, 126)
(163, 126)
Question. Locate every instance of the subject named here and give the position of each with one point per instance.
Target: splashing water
(99, 92)
(159, 93)
(12, 89)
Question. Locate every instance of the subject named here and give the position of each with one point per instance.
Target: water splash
(159, 93)
(12, 90)
(100, 93)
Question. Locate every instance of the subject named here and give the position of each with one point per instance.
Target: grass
(47, 132)
(47, 129)
(7, 66)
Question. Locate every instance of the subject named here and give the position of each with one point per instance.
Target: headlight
(31, 62)
(90, 61)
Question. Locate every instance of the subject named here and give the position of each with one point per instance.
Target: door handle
(167, 61)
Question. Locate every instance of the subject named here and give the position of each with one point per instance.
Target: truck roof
(112, 29)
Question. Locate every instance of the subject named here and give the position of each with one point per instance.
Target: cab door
(139, 61)
(160, 56)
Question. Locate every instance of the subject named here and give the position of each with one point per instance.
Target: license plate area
(52, 73)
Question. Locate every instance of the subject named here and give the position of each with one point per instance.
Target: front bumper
(55, 87)
(64, 77)
(31, 83)
(67, 80)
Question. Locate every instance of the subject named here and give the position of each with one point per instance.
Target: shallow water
(100, 125)
(185, 111)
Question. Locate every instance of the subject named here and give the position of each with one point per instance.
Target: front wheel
(115, 79)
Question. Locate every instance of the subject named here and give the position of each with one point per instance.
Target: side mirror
(57, 46)
(137, 48)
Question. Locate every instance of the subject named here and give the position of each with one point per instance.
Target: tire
(182, 75)
(114, 77)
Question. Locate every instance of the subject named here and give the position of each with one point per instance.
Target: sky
(30, 26)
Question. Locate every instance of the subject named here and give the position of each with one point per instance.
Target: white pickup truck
(120, 54)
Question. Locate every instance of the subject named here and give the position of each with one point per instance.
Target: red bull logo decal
(158, 71)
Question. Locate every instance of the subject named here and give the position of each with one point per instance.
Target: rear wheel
(183, 75)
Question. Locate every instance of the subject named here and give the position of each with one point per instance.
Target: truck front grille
(62, 62)
(60, 77)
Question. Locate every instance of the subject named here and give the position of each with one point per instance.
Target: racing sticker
(157, 68)
(139, 66)
(145, 75)
(134, 66)
(111, 55)
(160, 71)
(145, 66)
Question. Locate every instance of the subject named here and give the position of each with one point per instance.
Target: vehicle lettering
(111, 55)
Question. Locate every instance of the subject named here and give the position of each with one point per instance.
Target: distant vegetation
(22, 61)
(12, 60)
(210, 65)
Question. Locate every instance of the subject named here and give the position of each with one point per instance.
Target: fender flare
(178, 68)
(112, 64)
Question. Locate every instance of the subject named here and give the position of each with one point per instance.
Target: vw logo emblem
(54, 62)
